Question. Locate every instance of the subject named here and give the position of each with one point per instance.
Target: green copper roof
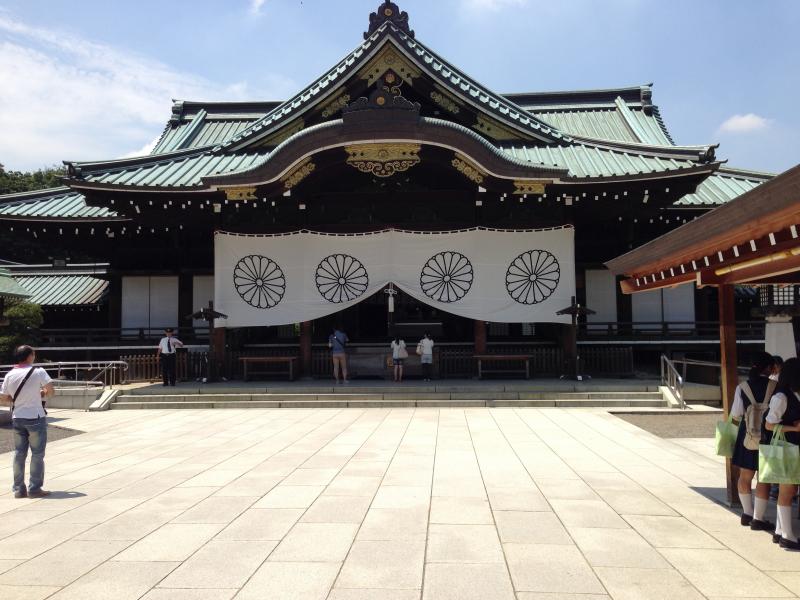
(60, 204)
(63, 290)
(723, 186)
(10, 287)
(454, 80)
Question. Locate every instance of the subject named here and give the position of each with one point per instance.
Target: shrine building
(395, 194)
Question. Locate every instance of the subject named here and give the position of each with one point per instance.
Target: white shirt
(427, 345)
(777, 407)
(396, 348)
(29, 402)
(169, 342)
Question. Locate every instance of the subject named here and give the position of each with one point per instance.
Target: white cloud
(493, 5)
(255, 6)
(66, 97)
(748, 123)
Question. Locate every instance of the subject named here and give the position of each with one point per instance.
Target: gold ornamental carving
(299, 173)
(468, 169)
(529, 186)
(445, 101)
(383, 160)
(240, 193)
(334, 107)
(494, 130)
(389, 59)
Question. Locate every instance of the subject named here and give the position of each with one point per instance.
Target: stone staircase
(517, 395)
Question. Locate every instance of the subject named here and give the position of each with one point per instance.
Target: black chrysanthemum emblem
(446, 277)
(533, 276)
(259, 281)
(341, 278)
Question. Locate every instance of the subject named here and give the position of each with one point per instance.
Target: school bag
(754, 415)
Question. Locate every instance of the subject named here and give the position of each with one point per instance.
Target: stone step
(304, 401)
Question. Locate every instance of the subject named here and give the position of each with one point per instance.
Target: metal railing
(110, 336)
(673, 380)
(81, 374)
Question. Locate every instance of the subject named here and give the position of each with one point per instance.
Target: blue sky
(94, 79)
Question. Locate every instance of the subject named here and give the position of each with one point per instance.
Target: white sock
(747, 503)
(785, 513)
(760, 508)
(778, 522)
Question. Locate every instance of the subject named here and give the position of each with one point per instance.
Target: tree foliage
(28, 181)
(24, 318)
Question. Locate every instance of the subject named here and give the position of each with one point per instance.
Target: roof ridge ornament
(388, 11)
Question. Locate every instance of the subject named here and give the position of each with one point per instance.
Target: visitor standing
(166, 353)
(784, 410)
(337, 342)
(399, 355)
(425, 351)
(750, 405)
(25, 387)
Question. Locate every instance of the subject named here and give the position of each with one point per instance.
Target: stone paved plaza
(533, 504)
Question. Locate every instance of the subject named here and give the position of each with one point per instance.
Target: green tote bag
(778, 461)
(726, 437)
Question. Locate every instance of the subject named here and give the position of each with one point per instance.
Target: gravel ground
(53, 433)
(684, 425)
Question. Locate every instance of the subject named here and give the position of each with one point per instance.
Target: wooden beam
(480, 337)
(629, 286)
(730, 376)
(770, 268)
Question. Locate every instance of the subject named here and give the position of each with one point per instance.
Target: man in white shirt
(24, 388)
(166, 352)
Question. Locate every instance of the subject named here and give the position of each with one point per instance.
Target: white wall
(601, 296)
(150, 302)
(670, 304)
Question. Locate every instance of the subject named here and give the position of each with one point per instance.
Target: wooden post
(480, 337)
(217, 355)
(730, 376)
(305, 348)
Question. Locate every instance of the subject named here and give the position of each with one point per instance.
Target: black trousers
(168, 368)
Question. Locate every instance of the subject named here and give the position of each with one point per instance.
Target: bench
(289, 361)
(520, 358)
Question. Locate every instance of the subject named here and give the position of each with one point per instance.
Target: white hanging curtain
(512, 276)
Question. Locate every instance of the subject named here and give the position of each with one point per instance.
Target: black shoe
(776, 537)
(21, 494)
(788, 544)
(758, 525)
(746, 520)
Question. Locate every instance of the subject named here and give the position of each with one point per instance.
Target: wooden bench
(522, 358)
(289, 361)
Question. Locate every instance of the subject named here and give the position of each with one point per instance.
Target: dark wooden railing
(619, 331)
(113, 336)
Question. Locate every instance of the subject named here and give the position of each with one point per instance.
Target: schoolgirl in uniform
(784, 410)
(753, 395)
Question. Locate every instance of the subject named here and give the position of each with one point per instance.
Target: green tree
(24, 319)
(28, 181)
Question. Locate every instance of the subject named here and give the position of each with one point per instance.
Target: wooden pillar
(305, 348)
(730, 377)
(480, 337)
(217, 354)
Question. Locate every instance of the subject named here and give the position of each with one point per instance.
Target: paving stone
(290, 496)
(172, 542)
(390, 564)
(467, 582)
(374, 594)
(290, 581)
(216, 509)
(26, 592)
(460, 511)
(653, 584)
(259, 524)
(463, 543)
(337, 509)
(671, 532)
(531, 528)
(220, 564)
(402, 497)
(550, 568)
(316, 542)
(517, 498)
(40, 538)
(167, 594)
(587, 513)
(616, 548)
(117, 581)
(385, 524)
